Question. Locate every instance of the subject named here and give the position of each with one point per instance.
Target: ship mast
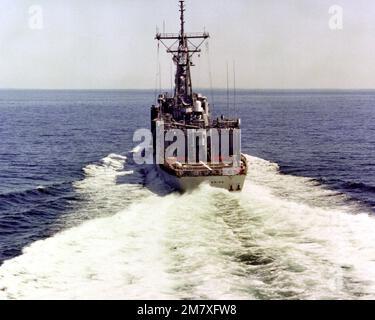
(182, 56)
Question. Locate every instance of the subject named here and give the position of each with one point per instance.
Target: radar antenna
(182, 49)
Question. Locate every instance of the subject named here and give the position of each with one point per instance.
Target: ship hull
(185, 184)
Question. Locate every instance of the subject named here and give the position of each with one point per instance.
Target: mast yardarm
(182, 57)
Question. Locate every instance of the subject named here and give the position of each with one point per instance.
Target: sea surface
(78, 219)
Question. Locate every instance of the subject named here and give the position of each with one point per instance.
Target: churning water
(79, 219)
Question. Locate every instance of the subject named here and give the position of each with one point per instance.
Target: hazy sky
(99, 44)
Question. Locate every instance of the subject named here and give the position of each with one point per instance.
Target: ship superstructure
(211, 149)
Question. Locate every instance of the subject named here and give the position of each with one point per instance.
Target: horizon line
(203, 88)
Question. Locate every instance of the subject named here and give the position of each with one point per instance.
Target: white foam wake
(283, 237)
(108, 187)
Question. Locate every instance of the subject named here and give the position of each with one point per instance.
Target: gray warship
(185, 111)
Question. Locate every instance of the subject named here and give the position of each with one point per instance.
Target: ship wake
(282, 237)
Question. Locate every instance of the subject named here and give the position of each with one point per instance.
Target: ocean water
(78, 219)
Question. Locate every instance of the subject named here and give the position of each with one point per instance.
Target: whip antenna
(234, 88)
(227, 85)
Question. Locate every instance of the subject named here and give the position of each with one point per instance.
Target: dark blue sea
(78, 219)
